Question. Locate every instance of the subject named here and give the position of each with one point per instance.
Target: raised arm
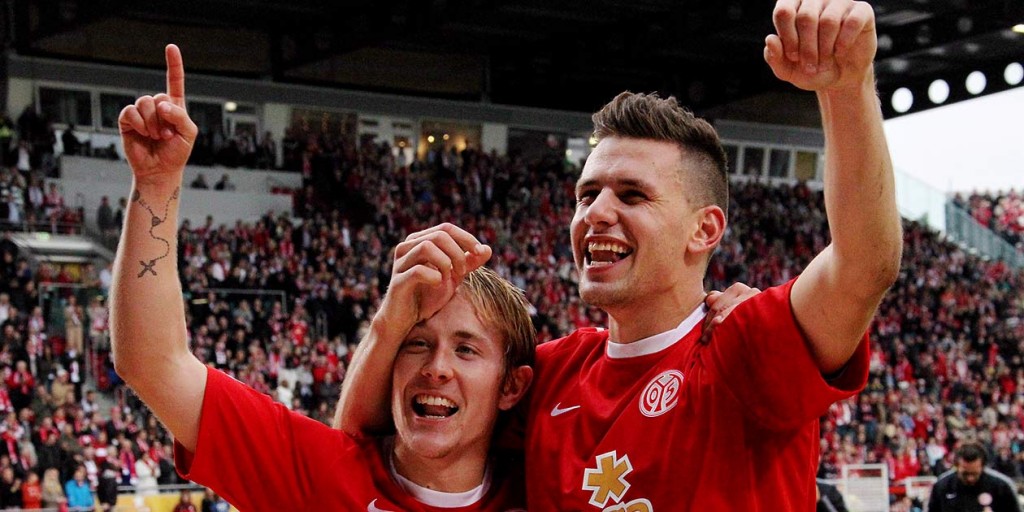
(828, 46)
(429, 265)
(150, 347)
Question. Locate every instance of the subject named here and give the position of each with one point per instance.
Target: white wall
(75, 168)
(19, 96)
(494, 136)
(225, 207)
(971, 145)
(276, 117)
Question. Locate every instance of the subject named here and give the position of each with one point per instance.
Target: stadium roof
(568, 54)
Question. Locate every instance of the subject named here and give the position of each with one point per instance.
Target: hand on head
(429, 266)
(156, 131)
(822, 45)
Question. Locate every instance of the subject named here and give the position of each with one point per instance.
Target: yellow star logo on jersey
(608, 479)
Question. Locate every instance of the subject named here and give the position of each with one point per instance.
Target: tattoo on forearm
(155, 221)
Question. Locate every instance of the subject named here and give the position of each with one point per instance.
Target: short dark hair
(649, 116)
(971, 451)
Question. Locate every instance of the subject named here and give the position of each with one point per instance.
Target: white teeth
(607, 246)
(434, 400)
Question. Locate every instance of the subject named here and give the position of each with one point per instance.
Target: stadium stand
(281, 302)
(1002, 212)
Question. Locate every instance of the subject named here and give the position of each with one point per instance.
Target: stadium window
(753, 161)
(731, 157)
(66, 106)
(207, 116)
(806, 165)
(778, 165)
(246, 108)
(111, 105)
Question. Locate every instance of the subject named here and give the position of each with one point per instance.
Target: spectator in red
(185, 502)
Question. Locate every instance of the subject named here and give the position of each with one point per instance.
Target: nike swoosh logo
(558, 410)
(372, 507)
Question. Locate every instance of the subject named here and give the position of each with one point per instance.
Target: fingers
(813, 32)
(472, 251)
(176, 120)
(828, 30)
(175, 75)
(131, 121)
(147, 109)
(807, 31)
(463, 238)
(421, 274)
(859, 18)
(784, 17)
(450, 257)
(773, 55)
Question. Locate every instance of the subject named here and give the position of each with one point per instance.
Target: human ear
(515, 386)
(710, 229)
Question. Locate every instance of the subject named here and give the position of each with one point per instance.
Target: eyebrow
(621, 182)
(461, 334)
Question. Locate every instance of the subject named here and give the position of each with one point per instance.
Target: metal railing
(965, 230)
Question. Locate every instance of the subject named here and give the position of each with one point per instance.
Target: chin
(430, 448)
(600, 295)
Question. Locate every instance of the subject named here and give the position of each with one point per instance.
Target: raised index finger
(175, 75)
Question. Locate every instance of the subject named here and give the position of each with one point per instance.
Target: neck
(635, 322)
(453, 473)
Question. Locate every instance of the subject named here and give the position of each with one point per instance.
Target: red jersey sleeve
(247, 449)
(761, 356)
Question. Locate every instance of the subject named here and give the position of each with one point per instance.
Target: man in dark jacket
(971, 487)
(829, 498)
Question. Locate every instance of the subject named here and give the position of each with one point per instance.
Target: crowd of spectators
(947, 355)
(1002, 212)
(26, 160)
(243, 149)
(281, 302)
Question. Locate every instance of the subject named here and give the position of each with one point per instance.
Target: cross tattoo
(147, 267)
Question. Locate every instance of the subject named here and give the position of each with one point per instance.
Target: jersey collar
(658, 342)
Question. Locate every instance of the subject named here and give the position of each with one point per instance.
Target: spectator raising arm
(147, 315)
(829, 47)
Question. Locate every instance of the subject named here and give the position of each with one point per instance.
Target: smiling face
(632, 224)
(447, 385)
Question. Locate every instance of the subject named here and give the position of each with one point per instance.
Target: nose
(438, 367)
(603, 209)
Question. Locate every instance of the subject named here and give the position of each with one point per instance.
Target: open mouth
(605, 253)
(433, 407)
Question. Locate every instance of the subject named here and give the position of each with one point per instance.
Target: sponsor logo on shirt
(559, 410)
(607, 483)
(661, 394)
(372, 507)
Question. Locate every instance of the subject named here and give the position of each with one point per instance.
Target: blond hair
(503, 306)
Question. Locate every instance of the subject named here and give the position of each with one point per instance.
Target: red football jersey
(667, 423)
(261, 456)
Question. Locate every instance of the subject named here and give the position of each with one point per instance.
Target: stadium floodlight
(884, 42)
(902, 100)
(976, 82)
(1019, 28)
(1014, 73)
(938, 91)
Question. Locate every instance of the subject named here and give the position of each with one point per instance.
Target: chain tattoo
(155, 221)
